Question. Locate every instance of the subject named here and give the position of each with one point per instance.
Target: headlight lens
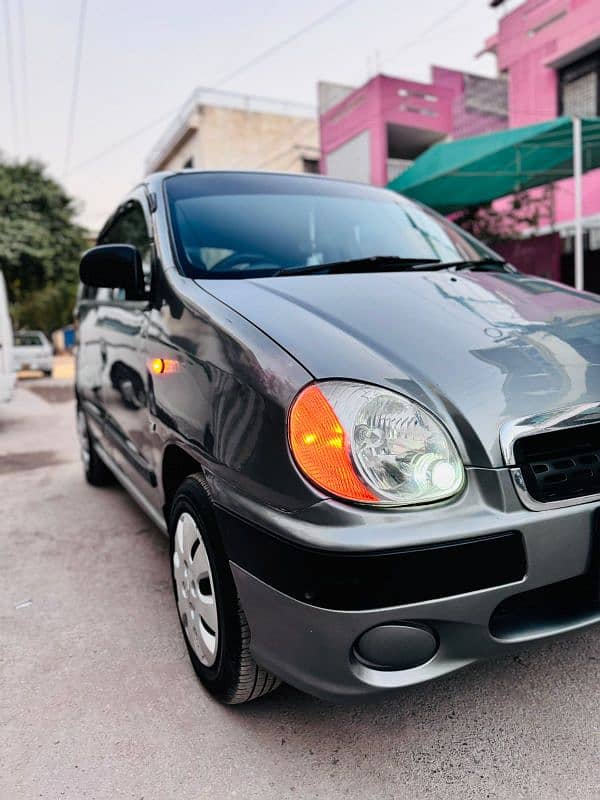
(371, 445)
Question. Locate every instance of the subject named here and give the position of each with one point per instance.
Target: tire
(95, 470)
(212, 620)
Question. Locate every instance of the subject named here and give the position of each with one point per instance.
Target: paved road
(98, 699)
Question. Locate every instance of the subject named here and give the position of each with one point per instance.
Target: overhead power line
(75, 90)
(126, 139)
(429, 29)
(11, 78)
(284, 43)
(225, 79)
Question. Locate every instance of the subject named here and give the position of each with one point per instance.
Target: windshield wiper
(379, 263)
(476, 263)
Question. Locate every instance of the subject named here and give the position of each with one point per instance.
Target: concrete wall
(351, 161)
(229, 138)
(330, 94)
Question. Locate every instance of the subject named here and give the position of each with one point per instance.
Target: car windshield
(27, 339)
(254, 225)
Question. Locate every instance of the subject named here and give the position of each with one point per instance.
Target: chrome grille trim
(547, 422)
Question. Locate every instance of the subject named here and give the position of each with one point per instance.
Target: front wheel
(214, 625)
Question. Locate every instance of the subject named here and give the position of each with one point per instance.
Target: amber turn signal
(163, 366)
(320, 447)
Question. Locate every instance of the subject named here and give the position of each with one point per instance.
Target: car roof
(160, 177)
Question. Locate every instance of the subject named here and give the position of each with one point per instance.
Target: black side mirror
(114, 266)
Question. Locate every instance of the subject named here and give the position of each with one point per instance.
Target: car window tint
(257, 224)
(89, 293)
(130, 227)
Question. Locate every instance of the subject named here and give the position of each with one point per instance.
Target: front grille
(560, 465)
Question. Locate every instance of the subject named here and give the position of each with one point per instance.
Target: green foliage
(40, 246)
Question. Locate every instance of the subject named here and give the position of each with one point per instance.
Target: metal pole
(577, 169)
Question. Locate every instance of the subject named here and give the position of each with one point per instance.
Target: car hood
(477, 348)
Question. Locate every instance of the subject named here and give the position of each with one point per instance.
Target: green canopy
(470, 172)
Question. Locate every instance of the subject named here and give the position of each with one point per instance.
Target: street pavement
(98, 700)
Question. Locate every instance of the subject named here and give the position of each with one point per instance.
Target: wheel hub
(195, 590)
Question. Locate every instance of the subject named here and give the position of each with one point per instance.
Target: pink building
(372, 133)
(548, 56)
(549, 51)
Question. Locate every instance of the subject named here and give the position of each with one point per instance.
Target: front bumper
(42, 362)
(33, 363)
(313, 647)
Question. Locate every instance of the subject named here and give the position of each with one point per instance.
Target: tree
(524, 210)
(40, 246)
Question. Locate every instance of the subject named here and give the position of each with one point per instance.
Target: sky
(140, 61)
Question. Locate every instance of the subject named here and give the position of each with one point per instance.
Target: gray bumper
(312, 648)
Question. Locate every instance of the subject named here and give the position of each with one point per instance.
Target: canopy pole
(577, 170)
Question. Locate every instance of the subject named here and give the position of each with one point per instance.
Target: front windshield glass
(252, 225)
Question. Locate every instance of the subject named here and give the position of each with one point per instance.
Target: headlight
(370, 445)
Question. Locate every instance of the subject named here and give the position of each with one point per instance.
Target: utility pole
(577, 170)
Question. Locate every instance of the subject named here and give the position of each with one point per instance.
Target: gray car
(374, 445)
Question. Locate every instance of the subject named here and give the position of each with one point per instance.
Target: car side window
(129, 227)
(88, 293)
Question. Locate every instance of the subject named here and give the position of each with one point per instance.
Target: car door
(122, 324)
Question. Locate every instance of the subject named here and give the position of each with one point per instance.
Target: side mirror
(114, 266)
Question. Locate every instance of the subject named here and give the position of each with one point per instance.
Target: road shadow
(523, 725)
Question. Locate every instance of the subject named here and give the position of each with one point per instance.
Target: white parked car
(32, 351)
(7, 373)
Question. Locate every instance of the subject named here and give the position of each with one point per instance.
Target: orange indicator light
(320, 447)
(163, 366)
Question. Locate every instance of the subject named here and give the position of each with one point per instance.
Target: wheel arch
(177, 465)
